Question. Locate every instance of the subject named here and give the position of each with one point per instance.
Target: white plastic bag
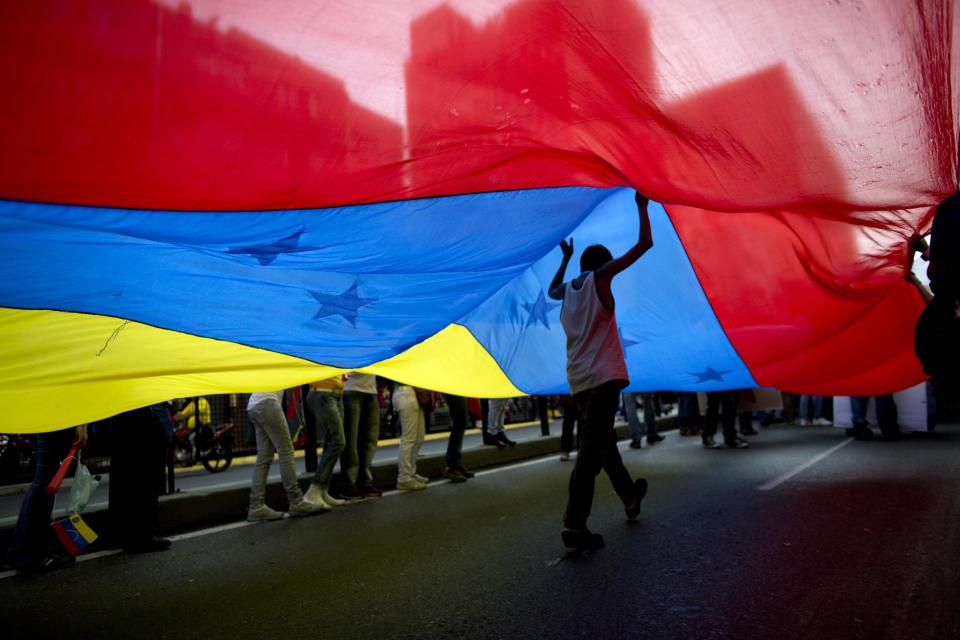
(84, 484)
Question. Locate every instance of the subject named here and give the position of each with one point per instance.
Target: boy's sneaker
(304, 507)
(582, 540)
(263, 513)
(454, 475)
(411, 485)
(633, 509)
(710, 443)
(737, 443)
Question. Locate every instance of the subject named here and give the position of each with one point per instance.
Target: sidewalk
(204, 499)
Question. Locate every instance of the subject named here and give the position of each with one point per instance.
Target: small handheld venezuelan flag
(73, 533)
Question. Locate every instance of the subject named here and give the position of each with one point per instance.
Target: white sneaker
(330, 500)
(411, 485)
(263, 513)
(306, 508)
(823, 422)
(803, 422)
(315, 495)
(422, 479)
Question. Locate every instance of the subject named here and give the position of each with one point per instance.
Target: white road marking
(806, 465)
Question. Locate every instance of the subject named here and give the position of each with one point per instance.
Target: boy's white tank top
(594, 351)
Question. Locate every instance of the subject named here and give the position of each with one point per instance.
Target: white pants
(412, 431)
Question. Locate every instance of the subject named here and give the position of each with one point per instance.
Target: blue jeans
(361, 427)
(31, 542)
(327, 408)
(459, 416)
(805, 402)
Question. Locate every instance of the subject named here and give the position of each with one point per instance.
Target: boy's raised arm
(644, 242)
(556, 286)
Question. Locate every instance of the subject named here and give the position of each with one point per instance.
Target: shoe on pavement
(636, 444)
(147, 545)
(411, 485)
(749, 431)
(737, 443)
(861, 432)
(304, 507)
(423, 479)
(493, 441)
(823, 422)
(330, 500)
(52, 562)
(454, 475)
(315, 495)
(564, 456)
(355, 494)
(803, 422)
(466, 473)
(581, 540)
(710, 443)
(654, 438)
(502, 437)
(633, 509)
(263, 513)
(369, 491)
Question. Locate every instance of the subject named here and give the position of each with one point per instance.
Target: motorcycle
(210, 446)
(17, 462)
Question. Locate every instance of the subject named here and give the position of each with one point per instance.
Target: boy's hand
(641, 200)
(567, 248)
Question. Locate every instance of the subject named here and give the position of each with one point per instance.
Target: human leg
(651, 410)
(887, 415)
(411, 417)
(711, 418)
(630, 413)
(598, 450)
(349, 458)
(327, 407)
(276, 436)
(30, 544)
(368, 438)
(497, 415)
(458, 417)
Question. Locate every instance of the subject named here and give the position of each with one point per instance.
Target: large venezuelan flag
(217, 196)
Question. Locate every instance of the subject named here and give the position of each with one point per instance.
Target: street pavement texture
(757, 543)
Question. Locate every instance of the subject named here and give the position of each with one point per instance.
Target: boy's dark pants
(598, 450)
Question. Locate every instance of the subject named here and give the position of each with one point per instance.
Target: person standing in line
(325, 402)
(412, 435)
(596, 373)
(361, 426)
(725, 401)
(459, 416)
(273, 434)
(137, 458)
(31, 547)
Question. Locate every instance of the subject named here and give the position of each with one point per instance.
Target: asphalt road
(862, 543)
